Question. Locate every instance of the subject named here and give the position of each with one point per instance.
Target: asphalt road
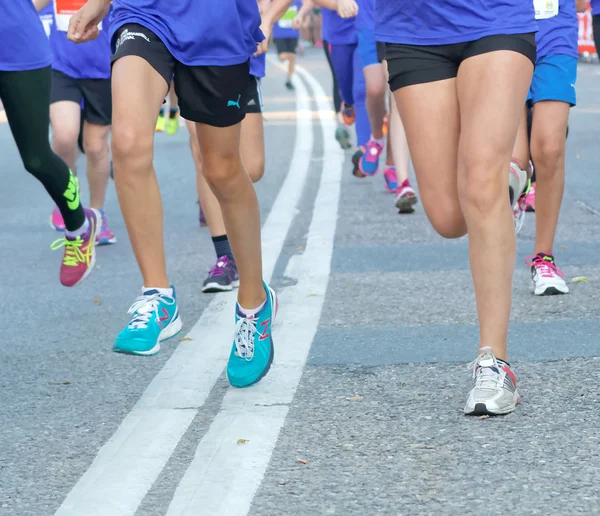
(362, 411)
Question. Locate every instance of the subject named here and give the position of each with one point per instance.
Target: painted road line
(131, 461)
(226, 473)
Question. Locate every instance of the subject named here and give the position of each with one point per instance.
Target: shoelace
(144, 307)
(245, 329)
(73, 253)
(219, 269)
(485, 376)
(546, 268)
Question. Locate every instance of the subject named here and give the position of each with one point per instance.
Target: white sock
(72, 235)
(380, 141)
(162, 291)
(253, 311)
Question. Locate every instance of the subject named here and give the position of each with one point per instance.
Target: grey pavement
(377, 418)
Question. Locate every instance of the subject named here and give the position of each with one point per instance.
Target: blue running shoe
(252, 353)
(154, 318)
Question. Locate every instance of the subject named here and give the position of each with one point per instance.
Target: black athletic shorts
(415, 64)
(254, 96)
(380, 51)
(95, 94)
(286, 45)
(211, 95)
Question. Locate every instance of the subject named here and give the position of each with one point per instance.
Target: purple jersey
(445, 22)
(24, 42)
(559, 34)
(338, 30)
(196, 32)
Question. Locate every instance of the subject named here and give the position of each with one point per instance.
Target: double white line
(224, 476)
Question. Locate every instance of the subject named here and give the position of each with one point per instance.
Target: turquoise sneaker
(252, 353)
(154, 318)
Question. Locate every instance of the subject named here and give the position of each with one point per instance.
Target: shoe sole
(215, 287)
(550, 291)
(405, 204)
(172, 330)
(481, 409)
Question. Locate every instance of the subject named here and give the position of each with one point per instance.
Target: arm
(581, 5)
(40, 4)
(307, 7)
(328, 4)
(271, 15)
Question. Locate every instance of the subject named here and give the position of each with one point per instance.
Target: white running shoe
(518, 188)
(546, 278)
(495, 387)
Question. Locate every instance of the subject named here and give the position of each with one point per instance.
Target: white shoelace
(245, 329)
(144, 307)
(485, 376)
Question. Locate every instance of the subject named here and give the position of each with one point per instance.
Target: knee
(255, 168)
(448, 223)
(483, 186)
(547, 154)
(64, 142)
(220, 167)
(375, 89)
(131, 150)
(96, 149)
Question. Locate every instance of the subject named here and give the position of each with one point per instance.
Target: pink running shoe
(530, 199)
(369, 162)
(406, 197)
(391, 179)
(56, 220)
(105, 236)
(80, 252)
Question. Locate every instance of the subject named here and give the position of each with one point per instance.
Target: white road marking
(130, 462)
(224, 476)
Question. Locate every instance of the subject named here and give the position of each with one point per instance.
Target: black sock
(173, 112)
(222, 247)
(162, 112)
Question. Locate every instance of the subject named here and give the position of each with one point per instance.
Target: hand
(83, 25)
(263, 46)
(347, 8)
(297, 21)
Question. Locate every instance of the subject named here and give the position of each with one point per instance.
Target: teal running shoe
(252, 353)
(154, 319)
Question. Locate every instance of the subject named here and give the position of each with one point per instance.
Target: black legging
(26, 99)
(337, 99)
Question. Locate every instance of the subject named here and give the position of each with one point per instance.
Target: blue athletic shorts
(554, 78)
(367, 48)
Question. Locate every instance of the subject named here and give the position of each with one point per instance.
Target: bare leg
(138, 93)
(95, 143)
(492, 89)
(224, 172)
(548, 144)
(65, 117)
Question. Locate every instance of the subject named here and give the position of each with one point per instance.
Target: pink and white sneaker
(105, 236)
(56, 220)
(406, 197)
(530, 199)
(80, 252)
(546, 278)
(391, 179)
(369, 162)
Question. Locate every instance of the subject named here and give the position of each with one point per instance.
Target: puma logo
(235, 103)
(71, 194)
